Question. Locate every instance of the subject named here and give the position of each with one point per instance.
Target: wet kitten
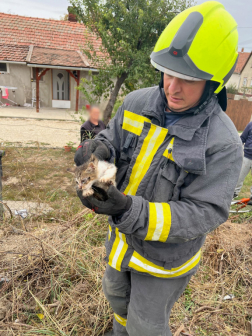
(94, 177)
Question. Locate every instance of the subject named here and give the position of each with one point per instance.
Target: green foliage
(128, 30)
(232, 89)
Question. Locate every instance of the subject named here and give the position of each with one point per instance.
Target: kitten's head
(85, 173)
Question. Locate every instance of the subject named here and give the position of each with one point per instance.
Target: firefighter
(178, 157)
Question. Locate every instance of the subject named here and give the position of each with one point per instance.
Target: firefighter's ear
(72, 170)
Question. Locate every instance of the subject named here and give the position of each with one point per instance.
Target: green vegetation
(128, 31)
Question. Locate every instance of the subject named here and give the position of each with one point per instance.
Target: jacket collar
(186, 127)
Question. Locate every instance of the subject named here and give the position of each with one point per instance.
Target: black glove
(83, 199)
(89, 147)
(116, 204)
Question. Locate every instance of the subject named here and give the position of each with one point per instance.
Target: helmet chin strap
(208, 93)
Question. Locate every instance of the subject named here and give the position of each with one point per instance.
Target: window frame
(7, 68)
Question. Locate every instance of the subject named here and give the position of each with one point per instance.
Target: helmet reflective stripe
(200, 42)
(174, 73)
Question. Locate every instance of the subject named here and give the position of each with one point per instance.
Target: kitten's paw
(104, 179)
(88, 192)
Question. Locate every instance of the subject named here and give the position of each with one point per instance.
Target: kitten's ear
(91, 167)
(72, 170)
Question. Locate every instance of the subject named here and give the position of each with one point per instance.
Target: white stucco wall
(19, 76)
(234, 80)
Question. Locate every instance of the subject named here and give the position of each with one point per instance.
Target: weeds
(54, 263)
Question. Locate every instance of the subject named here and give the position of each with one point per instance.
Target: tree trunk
(112, 99)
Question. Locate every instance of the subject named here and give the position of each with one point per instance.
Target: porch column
(77, 91)
(37, 89)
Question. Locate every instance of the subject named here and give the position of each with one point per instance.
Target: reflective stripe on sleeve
(109, 232)
(133, 122)
(169, 147)
(159, 222)
(151, 143)
(140, 264)
(120, 319)
(118, 251)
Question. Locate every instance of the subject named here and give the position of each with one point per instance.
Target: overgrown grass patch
(54, 263)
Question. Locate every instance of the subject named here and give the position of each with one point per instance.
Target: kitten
(94, 177)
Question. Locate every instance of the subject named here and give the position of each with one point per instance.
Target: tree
(128, 30)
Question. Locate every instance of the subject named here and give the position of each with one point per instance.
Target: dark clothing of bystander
(246, 139)
(89, 130)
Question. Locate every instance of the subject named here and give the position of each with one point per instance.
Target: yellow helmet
(199, 44)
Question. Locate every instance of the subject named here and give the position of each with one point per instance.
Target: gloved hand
(83, 199)
(89, 147)
(116, 204)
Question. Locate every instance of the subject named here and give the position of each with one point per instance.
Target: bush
(232, 89)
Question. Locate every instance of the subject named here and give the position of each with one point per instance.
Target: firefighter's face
(182, 94)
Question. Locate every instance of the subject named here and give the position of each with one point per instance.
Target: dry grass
(55, 266)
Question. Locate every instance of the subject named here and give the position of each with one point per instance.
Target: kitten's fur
(94, 173)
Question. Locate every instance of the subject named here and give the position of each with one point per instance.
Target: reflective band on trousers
(133, 122)
(120, 319)
(169, 147)
(118, 251)
(140, 264)
(153, 140)
(159, 222)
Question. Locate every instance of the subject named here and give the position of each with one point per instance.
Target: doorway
(60, 89)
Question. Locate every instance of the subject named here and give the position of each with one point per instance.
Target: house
(246, 76)
(242, 75)
(43, 58)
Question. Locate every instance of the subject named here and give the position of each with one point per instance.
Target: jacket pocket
(165, 184)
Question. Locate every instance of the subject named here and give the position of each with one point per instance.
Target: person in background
(246, 139)
(93, 125)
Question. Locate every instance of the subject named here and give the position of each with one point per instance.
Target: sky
(240, 9)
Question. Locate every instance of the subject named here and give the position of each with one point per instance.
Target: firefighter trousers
(142, 304)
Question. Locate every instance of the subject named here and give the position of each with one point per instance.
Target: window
(245, 81)
(3, 68)
(251, 82)
(33, 74)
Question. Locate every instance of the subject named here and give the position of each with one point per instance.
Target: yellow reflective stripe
(143, 265)
(166, 152)
(109, 232)
(153, 140)
(133, 122)
(159, 222)
(118, 251)
(120, 319)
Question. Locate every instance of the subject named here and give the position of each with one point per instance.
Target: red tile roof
(242, 61)
(50, 56)
(56, 34)
(15, 53)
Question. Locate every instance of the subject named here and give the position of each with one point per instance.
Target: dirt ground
(48, 133)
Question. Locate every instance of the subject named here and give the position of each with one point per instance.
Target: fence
(240, 112)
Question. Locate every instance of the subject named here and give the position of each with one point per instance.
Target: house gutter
(13, 62)
(60, 67)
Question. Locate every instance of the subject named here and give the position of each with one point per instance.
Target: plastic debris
(22, 213)
(228, 297)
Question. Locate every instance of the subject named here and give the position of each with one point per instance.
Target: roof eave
(32, 65)
(14, 62)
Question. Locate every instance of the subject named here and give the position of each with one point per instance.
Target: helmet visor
(174, 73)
